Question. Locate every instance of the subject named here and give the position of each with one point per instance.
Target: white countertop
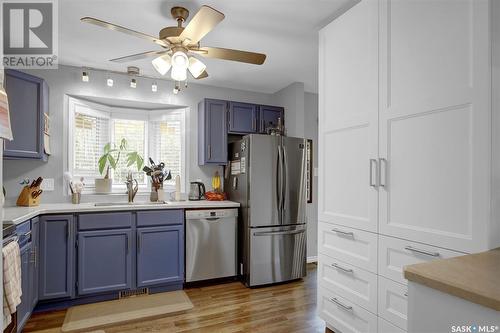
(18, 214)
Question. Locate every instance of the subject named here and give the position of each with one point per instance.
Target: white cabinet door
(356, 247)
(393, 302)
(353, 283)
(348, 118)
(435, 109)
(343, 315)
(394, 254)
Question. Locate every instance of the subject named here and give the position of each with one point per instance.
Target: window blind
(167, 143)
(134, 131)
(91, 133)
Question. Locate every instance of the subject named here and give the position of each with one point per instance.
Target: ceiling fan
(180, 43)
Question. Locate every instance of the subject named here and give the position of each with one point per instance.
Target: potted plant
(109, 160)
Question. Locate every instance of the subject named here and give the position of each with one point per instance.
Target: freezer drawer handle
(347, 270)
(272, 233)
(342, 305)
(347, 233)
(428, 253)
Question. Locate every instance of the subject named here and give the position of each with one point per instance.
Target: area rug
(89, 317)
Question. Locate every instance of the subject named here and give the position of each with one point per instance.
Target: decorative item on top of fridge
(76, 187)
(31, 193)
(158, 175)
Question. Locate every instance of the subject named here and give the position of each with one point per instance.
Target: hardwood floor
(225, 308)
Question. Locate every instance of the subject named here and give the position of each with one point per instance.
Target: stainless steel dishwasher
(211, 244)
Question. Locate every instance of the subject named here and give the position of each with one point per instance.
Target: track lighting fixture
(154, 87)
(85, 76)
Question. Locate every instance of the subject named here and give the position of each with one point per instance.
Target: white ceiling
(285, 30)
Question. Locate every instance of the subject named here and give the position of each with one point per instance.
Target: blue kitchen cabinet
(34, 262)
(24, 308)
(28, 101)
(268, 117)
(242, 118)
(104, 261)
(212, 132)
(160, 255)
(57, 258)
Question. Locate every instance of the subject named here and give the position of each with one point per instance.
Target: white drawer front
(350, 282)
(395, 253)
(393, 302)
(355, 247)
(343, 315)
(386, 327)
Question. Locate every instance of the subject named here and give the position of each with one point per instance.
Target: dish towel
(11, 280)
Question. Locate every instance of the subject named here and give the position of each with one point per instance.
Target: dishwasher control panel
(203, 214)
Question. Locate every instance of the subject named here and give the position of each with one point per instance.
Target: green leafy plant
(109, 160)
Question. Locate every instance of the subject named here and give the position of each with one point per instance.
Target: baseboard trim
(312, 259)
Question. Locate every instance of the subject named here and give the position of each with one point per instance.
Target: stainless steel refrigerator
(267, 176)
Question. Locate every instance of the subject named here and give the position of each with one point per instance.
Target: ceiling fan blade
(124, 30)
(201, 24)
(139, 56)
(230, 54)
(202, 75)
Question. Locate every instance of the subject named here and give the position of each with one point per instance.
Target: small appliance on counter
(197, 191)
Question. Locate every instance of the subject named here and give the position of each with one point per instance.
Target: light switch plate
(47, 184)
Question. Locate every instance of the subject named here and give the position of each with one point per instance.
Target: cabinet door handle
(138, 242)
(347, 233)
(342, 305)
(371, 182)
(126, 244)
(382, 174)
(209, 148)
(428, 253)
(347, 270)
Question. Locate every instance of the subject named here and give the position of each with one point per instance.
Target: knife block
(26, 197)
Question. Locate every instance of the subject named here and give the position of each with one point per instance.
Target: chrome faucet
(131, 189)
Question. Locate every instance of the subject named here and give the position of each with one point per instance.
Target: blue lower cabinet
(104, 261)
(160, 255)
(24, 308)
(57, 257)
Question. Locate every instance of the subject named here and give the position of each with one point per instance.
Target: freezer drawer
(211, 244)
(277, 254)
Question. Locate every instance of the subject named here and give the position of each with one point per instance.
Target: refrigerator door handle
(285, 179)
(279, 184)
(273, 233)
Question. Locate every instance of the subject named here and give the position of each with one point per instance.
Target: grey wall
(67, 81)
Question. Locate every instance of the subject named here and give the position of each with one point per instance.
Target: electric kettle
(197, 191)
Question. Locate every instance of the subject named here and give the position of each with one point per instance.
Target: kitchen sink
(107, 204)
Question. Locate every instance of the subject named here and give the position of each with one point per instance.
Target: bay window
(159, 134)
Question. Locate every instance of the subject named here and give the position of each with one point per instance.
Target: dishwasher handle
(273, 233)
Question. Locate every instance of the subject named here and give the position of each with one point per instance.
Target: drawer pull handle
(406, 294)
(339, 303)
(347, 270)
(428, 253)
(347, 233)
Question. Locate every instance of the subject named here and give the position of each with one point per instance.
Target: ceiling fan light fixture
(162, 64)
(180, 60)
(196, 67)
(178, 73)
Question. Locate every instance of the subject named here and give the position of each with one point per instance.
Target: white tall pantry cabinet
(405, 151)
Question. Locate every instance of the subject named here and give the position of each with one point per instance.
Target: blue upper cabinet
(242, 118)
(212, 134)
(28, 101)
(57, 262)
(104, 261)
(268, 117)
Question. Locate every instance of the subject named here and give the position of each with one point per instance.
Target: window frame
(112, 113)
